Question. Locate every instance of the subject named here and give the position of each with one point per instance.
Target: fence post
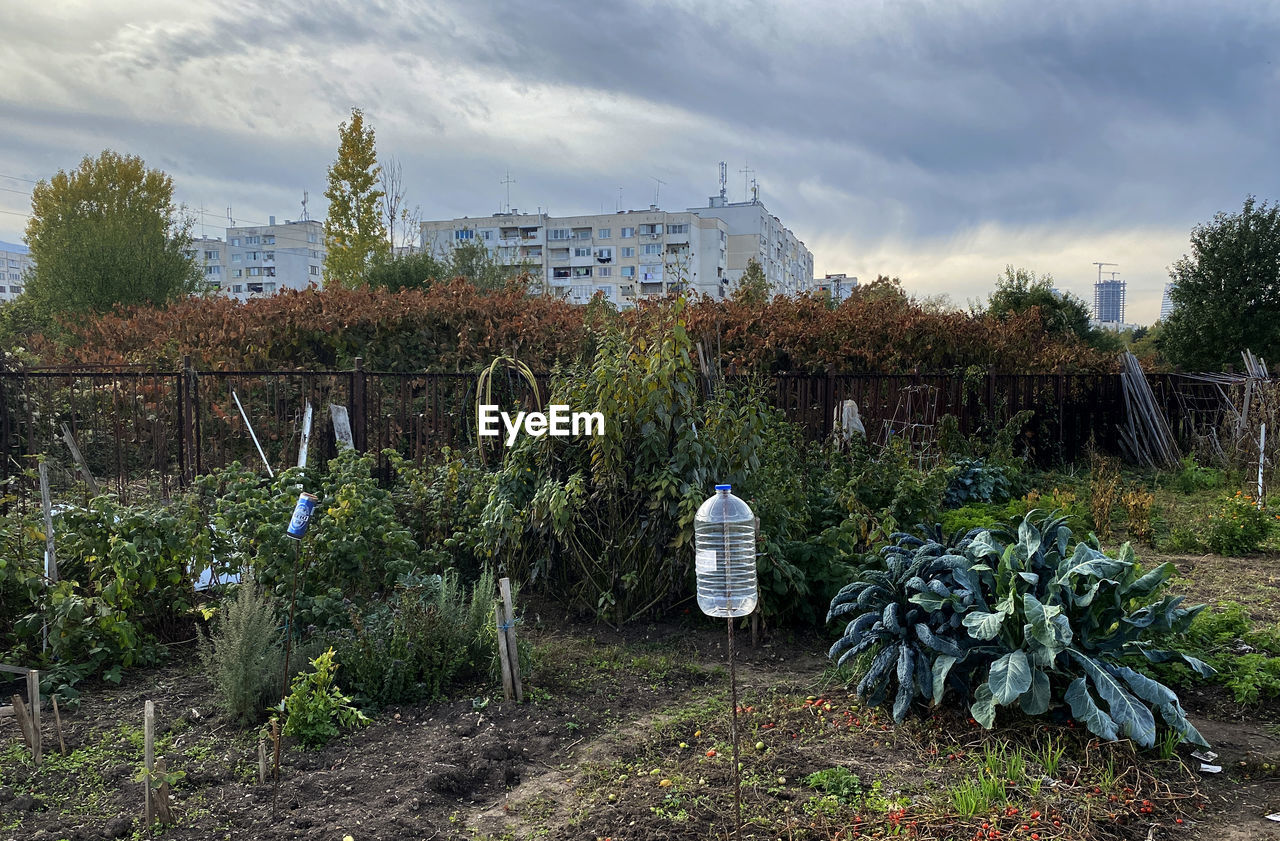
(359, 407)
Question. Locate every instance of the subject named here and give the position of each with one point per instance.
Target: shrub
(430, 634)
(1237, 526)
(974, 480)
(906, 620)
(356, 546)
(244, 657)
(315, 709)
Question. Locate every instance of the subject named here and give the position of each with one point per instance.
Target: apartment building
(261, 260)
(14, 261)
(634, 254)
(838, 287)
(1167, 306)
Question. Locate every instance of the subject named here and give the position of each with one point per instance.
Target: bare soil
(626, 736)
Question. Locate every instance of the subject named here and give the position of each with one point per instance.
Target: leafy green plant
(1246, 656)
(123, 588)
(1191, 478)
(244, 656)
(975, 480)
(1058, 616)
(838, 782)
(356, 545)
(428, 635)
(907, 619)
(315, 708)
(1237, 526)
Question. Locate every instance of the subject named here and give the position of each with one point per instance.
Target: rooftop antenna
(755, 190)
(724, 180)
(657, 189)
(202, 234)
(508, 181)
(747, 172)
(618, 208)
(231, 223)
(305, 197)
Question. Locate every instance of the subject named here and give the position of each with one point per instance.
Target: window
(628, 251)
(651, 248)
(254, 288)
(211, 256)
(604, 271)
(269, 239)
(17, 290)
(628, 271)
(603, 233)
(559, 273)
(253, 240)
(268, 255)
(255, 272)
(582, 233)
(627, 233)
(235, 241)
(651, 272)
(310, 238)
(604, 255)
(213, 270)
(2, 290)
(559, 233)
(313, 270)
(237, 272)
(650, 230)
(582, 252)
(235, 258)
(486, 235)
(237, 289)
(582, 271)
(677, 229)
(269, 271)
(254, 255)
(464, 235)
(269, 287)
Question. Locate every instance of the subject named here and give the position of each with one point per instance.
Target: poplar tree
(354, 233)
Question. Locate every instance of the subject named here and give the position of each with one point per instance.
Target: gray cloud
(903, 133)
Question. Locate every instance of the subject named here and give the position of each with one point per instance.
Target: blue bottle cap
(724, 487)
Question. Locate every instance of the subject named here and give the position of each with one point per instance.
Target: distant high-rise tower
(1108, 301)
(1167, 305)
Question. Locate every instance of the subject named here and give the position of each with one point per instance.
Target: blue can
(301, 519)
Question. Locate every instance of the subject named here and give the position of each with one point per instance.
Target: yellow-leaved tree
(354, 233)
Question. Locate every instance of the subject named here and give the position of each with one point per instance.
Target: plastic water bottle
(725, 555)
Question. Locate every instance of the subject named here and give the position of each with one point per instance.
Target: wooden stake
(33, 696)
(24, 720)
(84, 465)
(148, 761)
(57, 725)
(263, 768)
(509, 626)
(508, 686)
(161, 796)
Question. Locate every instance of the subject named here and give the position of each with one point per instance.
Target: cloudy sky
(935, 141)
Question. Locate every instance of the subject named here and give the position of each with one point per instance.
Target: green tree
(105, 234)
(355, 235)
(1018, 290)
(753, 288)
(1227, 291)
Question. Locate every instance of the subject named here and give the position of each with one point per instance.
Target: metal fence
(136, 426)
